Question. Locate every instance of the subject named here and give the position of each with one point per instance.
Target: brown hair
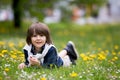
(38, 28)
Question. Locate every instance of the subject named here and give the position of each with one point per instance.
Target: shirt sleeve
(51, 59)
(26, 56)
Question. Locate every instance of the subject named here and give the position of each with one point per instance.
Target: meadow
(98, 47)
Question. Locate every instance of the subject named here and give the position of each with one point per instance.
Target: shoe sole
(74, 48)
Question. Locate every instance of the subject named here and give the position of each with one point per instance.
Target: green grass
(98, 47)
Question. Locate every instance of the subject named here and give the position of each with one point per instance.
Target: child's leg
(66, 61)
(71, 52)
(65, 58)
(62, 53)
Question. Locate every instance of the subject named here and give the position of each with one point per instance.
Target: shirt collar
(33, 49)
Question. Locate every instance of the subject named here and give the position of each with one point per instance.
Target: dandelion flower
(116, 46)
(6, 69)
(82, 55)
(0, 78)
(115, 58)
(4, 51)
(14, 56)
(113, 53)
(1, 55)
(2, 43)
(11, 44)
(73, 74)
(43, 78)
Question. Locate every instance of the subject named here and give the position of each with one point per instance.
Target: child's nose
(38, 37)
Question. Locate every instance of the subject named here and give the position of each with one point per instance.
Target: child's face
(38, 40)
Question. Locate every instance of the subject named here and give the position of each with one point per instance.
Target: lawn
(98, 47)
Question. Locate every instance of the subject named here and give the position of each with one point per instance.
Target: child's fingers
(32, 59)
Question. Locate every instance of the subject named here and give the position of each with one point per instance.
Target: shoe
(71, 51)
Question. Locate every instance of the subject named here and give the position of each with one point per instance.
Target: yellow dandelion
(106, 51)
(21, 59)
(4, 51)
(99, 49)
(6, 69)
(102, 52)
(89, 58)
(19, 52)
(2, 43)
(0, 78)
(11, 44)
(1, 55)
(14, 56)
(88, 53)
(116, 58)
(113, 53)
(20, 44)
(119, 52)
(116, 46)
(21, 55)
(101, 57)
(82, 55)
(85, 58)
(93, 56)
(11, 51)
(43, 78)
(73, 74)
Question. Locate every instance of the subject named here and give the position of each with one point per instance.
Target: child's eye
(34, 35)
(41, 35)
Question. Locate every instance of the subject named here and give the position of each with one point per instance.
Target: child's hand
(34, 61)
(21, 66)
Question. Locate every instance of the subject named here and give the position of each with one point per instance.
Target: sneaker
(72, 52)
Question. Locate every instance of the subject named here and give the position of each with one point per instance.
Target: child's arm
(50, 60)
